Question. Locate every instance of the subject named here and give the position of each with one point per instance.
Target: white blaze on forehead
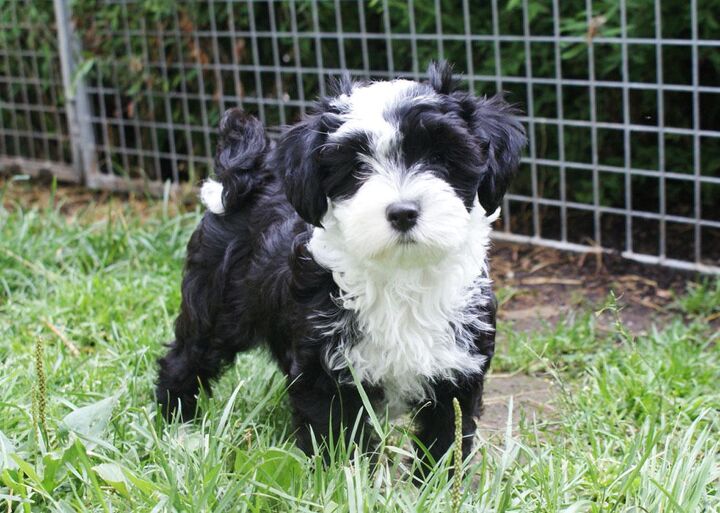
(365, 110)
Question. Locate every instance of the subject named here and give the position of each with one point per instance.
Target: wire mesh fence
(621, 97)
(34, 132)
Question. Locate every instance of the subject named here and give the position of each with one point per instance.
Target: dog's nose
(403, 215)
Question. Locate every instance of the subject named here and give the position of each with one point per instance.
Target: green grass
(635, 427)
(702, 299)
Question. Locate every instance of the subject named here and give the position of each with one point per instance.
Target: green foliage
(702, 299)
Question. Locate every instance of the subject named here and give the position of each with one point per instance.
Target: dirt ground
(546, 284)
(541, 285)
(533, 397)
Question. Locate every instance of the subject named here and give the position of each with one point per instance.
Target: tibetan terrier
(355, 250)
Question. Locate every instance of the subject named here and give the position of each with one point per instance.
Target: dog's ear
(297, 158)
(440, 77)
(500, 137)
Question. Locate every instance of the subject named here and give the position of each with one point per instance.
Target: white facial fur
(361, 222)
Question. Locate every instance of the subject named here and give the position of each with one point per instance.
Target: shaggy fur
(355, 249)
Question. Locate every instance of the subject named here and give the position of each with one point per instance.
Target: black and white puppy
(356, 245)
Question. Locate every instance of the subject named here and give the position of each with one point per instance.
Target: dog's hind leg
(195, 359)
(211, 328)
(189, 365)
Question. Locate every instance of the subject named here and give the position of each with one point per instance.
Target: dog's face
(399, 168)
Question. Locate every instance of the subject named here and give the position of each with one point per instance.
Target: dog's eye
(484, 145)
(440, 171)
(435, 158)
(361, 169)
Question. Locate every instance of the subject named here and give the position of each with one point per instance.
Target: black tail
(240, 157)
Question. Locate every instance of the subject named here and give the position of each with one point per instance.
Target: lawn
(88, 294)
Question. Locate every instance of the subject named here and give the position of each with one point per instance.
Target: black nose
(403, 215)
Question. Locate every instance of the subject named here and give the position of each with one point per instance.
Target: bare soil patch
(545, 284)
(531, 396)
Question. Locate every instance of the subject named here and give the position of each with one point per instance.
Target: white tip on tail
(211, 196)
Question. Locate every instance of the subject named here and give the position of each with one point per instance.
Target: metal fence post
(77, 105)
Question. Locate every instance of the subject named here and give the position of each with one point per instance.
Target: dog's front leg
(435, 421)
(330, 414)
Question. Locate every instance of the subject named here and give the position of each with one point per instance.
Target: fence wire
(34, 132)
(621, 98)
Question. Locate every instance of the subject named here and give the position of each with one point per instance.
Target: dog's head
(400, 166)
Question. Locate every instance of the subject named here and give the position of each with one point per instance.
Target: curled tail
(239, 161)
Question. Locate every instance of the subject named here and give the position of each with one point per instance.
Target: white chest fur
(412, 324)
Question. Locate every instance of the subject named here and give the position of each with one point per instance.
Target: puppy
(354, 250)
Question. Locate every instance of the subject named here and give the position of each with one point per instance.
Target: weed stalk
(40, 390)
(457, 458)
